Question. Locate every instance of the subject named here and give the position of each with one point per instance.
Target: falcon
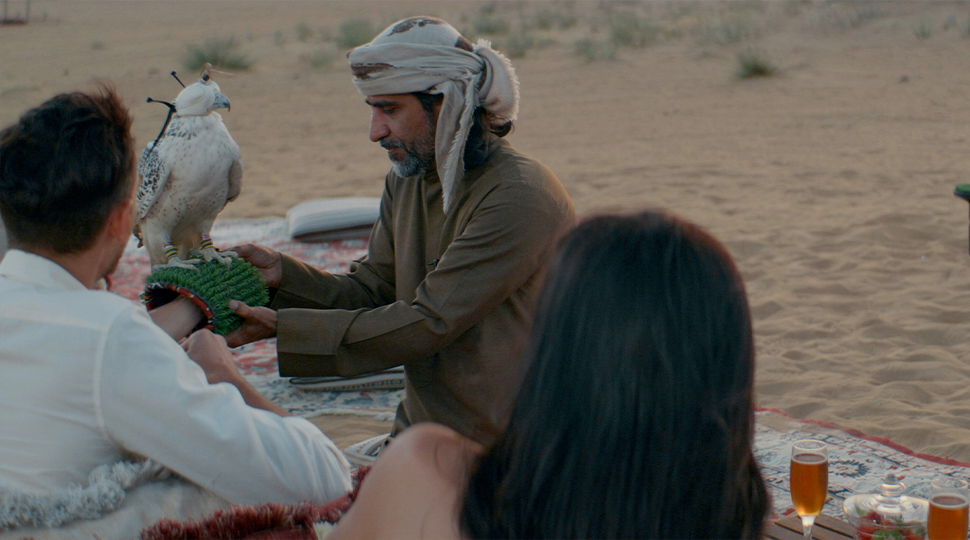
(187, 176)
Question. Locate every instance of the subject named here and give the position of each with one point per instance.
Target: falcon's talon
(175, 262)
(211, 253)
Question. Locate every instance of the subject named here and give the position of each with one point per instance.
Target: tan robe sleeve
(370, 282)
(502, 247)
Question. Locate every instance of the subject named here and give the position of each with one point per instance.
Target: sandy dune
(831, 182)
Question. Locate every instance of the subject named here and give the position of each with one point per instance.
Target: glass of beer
(949, 509)
(809, 480)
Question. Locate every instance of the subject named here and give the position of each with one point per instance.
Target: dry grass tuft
(752, 64)
(221, 53)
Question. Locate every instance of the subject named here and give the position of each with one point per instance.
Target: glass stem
(807, 523)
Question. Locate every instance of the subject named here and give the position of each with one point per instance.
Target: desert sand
(830, 182)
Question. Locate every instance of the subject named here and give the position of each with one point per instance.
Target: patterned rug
(857, 462)
(257, 361)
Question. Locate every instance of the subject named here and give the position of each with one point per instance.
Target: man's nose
(378, 129)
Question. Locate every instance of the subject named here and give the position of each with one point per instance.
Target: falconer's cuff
(210, 285)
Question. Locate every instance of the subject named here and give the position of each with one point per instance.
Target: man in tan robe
(454, 264)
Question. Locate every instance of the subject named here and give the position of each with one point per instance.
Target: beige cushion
(322, 220)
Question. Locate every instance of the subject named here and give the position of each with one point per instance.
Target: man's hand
(258, 323)
(269, 262)
(210, 352)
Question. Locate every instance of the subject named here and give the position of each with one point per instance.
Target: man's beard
(419, 155)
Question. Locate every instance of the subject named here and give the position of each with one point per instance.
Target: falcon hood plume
(187, 176)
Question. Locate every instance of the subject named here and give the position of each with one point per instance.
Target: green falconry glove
(210, 287)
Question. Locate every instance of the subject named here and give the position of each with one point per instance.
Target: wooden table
(826, 528)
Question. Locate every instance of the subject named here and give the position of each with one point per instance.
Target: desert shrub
(727, 31)
(97, 45)
(545, 19)
(680, 10)
(490, 25)
(864, 14)
(321, 57)
(843, 15)
(548, 19)
(221, 53)
(950, 23)
(303, 31)
(566, 21)
(278, 37)
(629, 30)
(592, 50)
(922, 30)
(752, 63)
(354, 33)
(518, 44)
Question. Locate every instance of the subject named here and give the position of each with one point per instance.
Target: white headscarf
(425, 54)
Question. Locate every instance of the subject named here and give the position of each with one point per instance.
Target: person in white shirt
(86, 377)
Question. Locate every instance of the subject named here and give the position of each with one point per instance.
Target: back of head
(63, 166)
(636, 416)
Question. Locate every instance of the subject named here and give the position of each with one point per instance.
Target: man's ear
(121, 220)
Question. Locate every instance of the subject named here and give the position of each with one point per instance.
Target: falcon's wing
(153, 172)
(235, 180)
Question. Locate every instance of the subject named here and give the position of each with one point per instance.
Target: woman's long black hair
(636, 417)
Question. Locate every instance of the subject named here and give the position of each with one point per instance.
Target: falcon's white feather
(188, 179)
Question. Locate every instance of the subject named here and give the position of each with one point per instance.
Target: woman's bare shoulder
(435, 449)
(415, 487)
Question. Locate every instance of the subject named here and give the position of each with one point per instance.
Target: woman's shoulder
(433, 451)
(415, 487)
(426, 436)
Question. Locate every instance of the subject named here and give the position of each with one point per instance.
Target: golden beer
(809, 483)
(948, 518)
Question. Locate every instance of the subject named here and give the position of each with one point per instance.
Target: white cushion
(332, 219)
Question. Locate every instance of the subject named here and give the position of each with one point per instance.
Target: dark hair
(636, 415)
(481, 132)
(63, 166)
